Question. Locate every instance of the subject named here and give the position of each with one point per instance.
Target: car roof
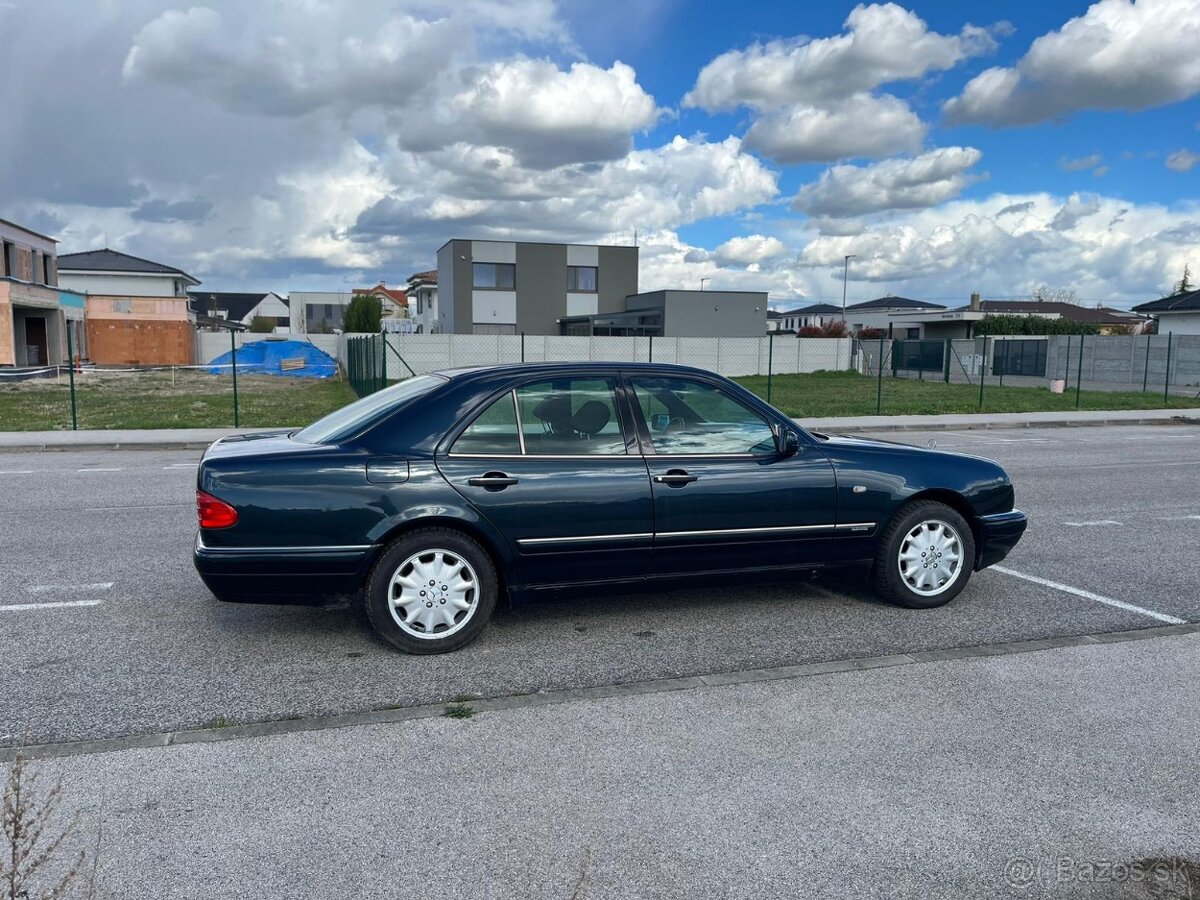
(474, 372)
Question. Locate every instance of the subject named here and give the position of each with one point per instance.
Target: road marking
(1088, 595)
(17, 472)
(190, 465)
(1177, 518)
(100, 470)
(22, 607)
(46, 588)
(1089, 524)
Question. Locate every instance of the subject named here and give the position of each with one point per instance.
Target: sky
(326, 144)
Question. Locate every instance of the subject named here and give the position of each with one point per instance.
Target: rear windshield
(351, 419)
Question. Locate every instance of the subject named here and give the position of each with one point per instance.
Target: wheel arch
(503, 563)
(956, 502)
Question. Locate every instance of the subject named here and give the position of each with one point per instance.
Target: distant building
(242, 307)
(422, 292)
(961, 321)
(679, 314)
(1176, 314)
(137, 310)
(35, 312)
(878, 313)
(317, 312)
(508, 287)
(816, 315)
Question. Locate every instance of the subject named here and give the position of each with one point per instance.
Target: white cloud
(861, 126)
(926, 180)
(1006, 244)
(1068, 164)
(550, 117)
(753, 249)
(883, 43)
(1182, 160)
(1117, 55)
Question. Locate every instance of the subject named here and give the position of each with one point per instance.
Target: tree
(363, 315)
(1184, 284)
(262, 325)
(1043, 293)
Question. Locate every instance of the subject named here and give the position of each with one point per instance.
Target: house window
(494, 276)
(581, 279)
(420, 304)
(47, 269)
(8, 265)
(914, 334)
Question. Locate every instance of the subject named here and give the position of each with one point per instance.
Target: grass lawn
(851, 394)
(154, 400)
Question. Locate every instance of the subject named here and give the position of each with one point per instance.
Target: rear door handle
(676, 476)
(493, 481)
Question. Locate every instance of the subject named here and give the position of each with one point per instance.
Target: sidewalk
(199, 438)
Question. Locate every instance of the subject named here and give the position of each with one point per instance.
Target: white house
(422, 291)
(1177, 314)
(816, 315)
(110, 273)
(243, 307)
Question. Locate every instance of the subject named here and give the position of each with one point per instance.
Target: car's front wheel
(432, 591)
(924, 557)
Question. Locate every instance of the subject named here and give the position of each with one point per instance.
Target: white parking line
(100, 470)
(1177, 518)
(23, 607)
(46, 588)
(1088, 595)
(16, 472)
(1090, 524)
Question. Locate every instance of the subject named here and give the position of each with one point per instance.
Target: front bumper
(300, 575)
(998, 534)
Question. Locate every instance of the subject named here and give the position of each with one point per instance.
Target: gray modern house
(508, 287)
(679, 314)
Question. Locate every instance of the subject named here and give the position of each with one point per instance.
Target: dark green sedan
(436, 497)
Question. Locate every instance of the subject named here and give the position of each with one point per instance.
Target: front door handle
(493, 481)
(676, 477)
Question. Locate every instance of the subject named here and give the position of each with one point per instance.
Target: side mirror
(787, 442)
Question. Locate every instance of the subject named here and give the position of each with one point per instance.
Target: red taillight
(214, 513)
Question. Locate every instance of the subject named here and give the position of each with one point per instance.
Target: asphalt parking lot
(107, 630)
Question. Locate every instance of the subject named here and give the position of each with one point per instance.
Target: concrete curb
(390, 715)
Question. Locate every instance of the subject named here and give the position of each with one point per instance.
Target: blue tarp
(298, 358)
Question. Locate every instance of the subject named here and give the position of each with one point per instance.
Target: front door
(36, 351)
(554, 466)
(724, 497)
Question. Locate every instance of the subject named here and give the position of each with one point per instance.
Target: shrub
(363, 315)
(867, 334)
(262, 325)
(836, 328)
(809, 331)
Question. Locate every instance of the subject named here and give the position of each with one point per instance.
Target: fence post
(983, 371)
(770, 361)
(382, 360)
(1067, 365)
(650, 353)
(233, 361)
(1003, 357)
(879, 379)
(522, 346)
(946, 361)
(1146, 372)
(71, 373)
(1167, 373)
(1079, 372)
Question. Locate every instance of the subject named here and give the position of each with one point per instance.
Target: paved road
(1115, 517)
(1018, 776)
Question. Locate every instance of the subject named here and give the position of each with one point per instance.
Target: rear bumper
(998, 534)
(300, 575)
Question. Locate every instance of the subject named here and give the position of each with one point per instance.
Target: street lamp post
(845, 275)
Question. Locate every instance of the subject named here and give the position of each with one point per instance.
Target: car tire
(912, 565)
(425, 618)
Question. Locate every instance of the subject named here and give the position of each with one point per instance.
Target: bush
(868, 334)
(262, 325)
(1012, 324)
(809, 331)
(836, 328)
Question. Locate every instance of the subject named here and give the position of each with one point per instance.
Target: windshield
(353, 418)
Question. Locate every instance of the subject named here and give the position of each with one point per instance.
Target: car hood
(854, 442)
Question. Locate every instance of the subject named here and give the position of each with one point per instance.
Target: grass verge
(851, 394)
(157, 400)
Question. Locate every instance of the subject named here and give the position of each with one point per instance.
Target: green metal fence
(366, 363)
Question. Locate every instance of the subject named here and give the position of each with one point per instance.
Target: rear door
(724, 497)
(553, 463)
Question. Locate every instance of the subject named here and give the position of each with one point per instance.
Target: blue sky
(305, 144)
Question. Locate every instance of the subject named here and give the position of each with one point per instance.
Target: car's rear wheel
(431, 591)
(924, 557)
